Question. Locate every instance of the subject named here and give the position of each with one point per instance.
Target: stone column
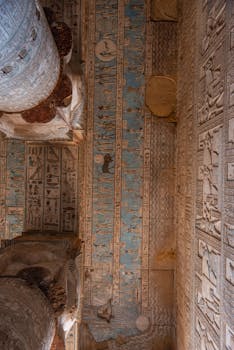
(39, 291)
(27, 319)
(29, 59)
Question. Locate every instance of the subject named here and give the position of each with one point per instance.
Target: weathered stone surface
(164, 10)
(205, 179)
(29, 64)
(44, 265)
(27, 320)
(161, 95)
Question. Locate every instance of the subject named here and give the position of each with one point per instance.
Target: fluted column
(29, 59)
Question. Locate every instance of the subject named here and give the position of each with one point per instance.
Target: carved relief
(230, 270)
(204, 340)
(231, 95)
(2, 187)
(208, 297)
(231, 130)
(211, 101)
(229, 234)
(209, 217)
(230, 175)
(51, 176)
(229, 338)
(214, 22)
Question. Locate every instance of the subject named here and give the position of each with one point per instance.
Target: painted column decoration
(29, 64)
(39, 79)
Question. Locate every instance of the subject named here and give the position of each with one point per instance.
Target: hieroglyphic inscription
(118, 154)
(35, 179)
(208, 292)
(229, 234)
(231, 130)
(69, 203)
(211, 86)
(185, 176)
(146, 179)
(230, 175)
(213, 21)
(51, 187)
(229, 338)
(2, 187)
(230, 270)
(210, 173)
(204, 340)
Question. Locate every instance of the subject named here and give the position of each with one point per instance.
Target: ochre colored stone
(164, 10)
(161, 95)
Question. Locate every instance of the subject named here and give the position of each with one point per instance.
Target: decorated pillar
(39, 290)
(40, 80)
(29, 59)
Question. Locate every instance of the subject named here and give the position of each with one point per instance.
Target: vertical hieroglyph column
(29, 60)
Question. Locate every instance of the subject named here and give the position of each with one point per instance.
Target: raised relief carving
(205, 341)
(229, 234)
(231, 95)
(229, 338)
(208, 298)
(212, 94)
(232, 38)
(231, 130)
(209, 219)
(230, 175)
(214, 24)
(230, 270)
(51, 175)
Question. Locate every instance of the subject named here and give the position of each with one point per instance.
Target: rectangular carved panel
(208, 284)
(51, 187)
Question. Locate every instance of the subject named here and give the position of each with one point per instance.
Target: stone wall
(185, 174)
(205, 257)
